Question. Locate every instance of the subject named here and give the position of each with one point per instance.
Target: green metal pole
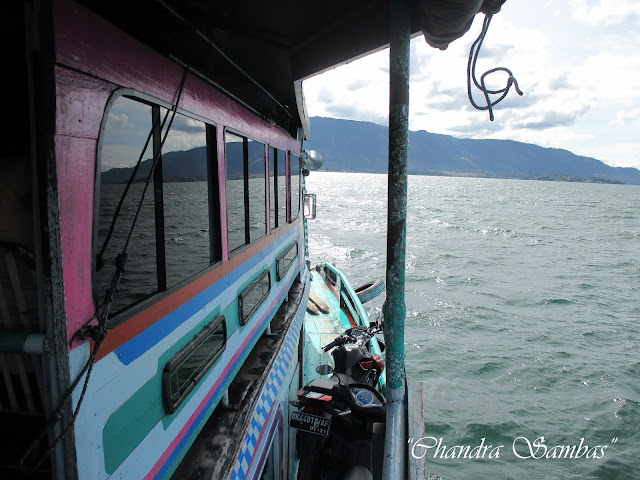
(395, 309)
(397, 194)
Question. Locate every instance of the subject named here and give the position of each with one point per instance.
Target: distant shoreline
(516, 176)
(363, 146)
(543, 178)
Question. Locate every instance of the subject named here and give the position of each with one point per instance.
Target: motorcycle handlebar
(337, 342)
(349, 337)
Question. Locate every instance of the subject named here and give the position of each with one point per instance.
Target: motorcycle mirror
(324, 369)
(376, 325)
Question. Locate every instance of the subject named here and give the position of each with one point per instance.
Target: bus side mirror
(309, 206)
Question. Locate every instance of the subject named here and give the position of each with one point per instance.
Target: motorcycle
(352, 355)
(341, 421)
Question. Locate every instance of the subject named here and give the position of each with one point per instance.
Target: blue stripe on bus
(163, 327)
(187, 438)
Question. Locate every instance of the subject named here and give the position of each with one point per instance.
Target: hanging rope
(471, 75)
(98, 332)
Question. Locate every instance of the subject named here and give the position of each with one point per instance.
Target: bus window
(294, 171)
(177, 233)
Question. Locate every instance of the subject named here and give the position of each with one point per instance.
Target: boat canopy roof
(259, 52)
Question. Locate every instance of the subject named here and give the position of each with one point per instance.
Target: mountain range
(187, 165)
(354, 146)
(349, 145)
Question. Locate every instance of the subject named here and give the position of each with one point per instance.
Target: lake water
(523, 305)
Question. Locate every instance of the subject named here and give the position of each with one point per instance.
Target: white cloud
(183, 140)
(186, 124)
(610, 77)
(581, 84)
(119, 156)
(122, 120)
(325, 95)
(358, 84)
(620, 154)
(604, 12)
(356, 91)
(624, 118)
(185, 134)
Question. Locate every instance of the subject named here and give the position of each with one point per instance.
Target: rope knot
(98, 332)
(471, 75)
(94, 332)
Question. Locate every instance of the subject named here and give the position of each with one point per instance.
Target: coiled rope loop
(471, 75)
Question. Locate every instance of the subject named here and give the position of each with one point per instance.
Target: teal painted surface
(132, 422)
(166, 356)
(323, 328)
(230, 312)
(362, 312)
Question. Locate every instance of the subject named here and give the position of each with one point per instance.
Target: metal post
(395, 309)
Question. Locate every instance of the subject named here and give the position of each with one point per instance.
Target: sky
(128, 126)
(577, 62)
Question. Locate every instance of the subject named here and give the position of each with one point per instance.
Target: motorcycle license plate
(310, 423)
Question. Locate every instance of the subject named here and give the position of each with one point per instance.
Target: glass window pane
(190, 365)
(284, 261)
(257, 193)
(185, 199)
(272, 189)
(253, 296)
(294, 167)
(281, 181)
(235, 190)
(127, 128)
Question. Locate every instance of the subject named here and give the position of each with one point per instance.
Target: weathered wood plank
(415, 418)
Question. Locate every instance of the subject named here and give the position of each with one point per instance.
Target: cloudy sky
(577, 61)
(128, 126)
